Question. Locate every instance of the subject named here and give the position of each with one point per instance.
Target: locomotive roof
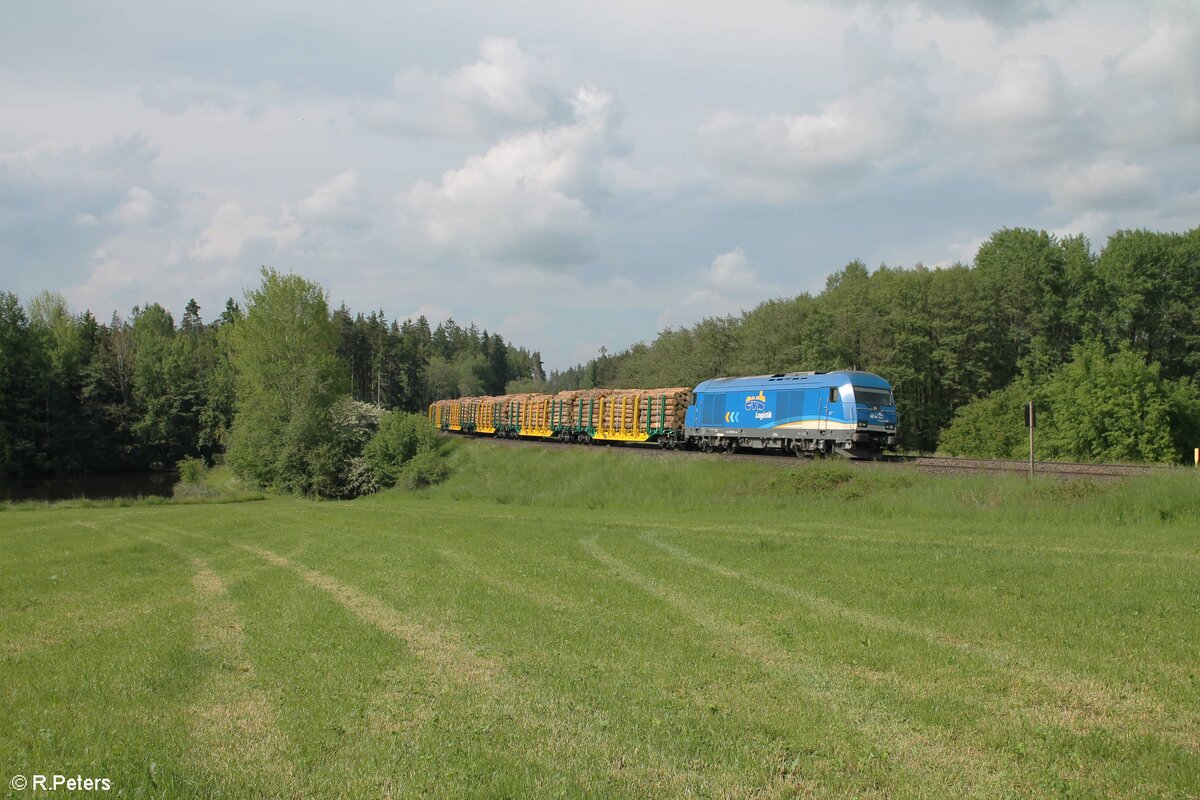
(796, 380)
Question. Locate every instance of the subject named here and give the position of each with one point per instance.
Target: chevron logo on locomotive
(758, 403)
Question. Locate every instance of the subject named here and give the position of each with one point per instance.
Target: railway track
(946, 464)
(927, 463)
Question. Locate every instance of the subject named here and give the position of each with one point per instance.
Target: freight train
(847, 413)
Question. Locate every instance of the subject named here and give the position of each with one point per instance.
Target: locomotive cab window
(834, 396)
(873, 397)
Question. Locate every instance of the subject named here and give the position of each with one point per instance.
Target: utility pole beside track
(1031, 423)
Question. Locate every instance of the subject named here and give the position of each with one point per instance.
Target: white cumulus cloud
(506, 87)
(58, 201)
(1108, 184)
(1030, 115)
(232, 229)
(333, 198)
(528, 200)
(1095, 146)
(140, 207)
(728, 285)
(875, 124)
(781, 157)
(107, 276)
(732, 270)
(1152, 92)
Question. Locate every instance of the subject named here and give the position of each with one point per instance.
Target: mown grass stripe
(802, 530)
(1078, 703)
(934, 757)
(536, 594)
(569, 741)
(852, 534)
(431, 644)
(754, 765)
(238, 745)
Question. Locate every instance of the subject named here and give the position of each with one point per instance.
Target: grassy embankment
(620, 626)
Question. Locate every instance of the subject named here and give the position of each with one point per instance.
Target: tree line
(293, 391)
(141, 392)
(1109, 344)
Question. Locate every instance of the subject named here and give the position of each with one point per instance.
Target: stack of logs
(655, 409)
(564, 409)
(485, 412)
(626, 410)
(511, 408)
(617, 412)
(664, 408)
(535, 412)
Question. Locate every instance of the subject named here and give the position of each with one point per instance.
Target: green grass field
(622, 626)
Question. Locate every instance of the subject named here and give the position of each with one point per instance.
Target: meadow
(585, 622)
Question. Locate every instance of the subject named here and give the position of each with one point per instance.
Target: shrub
(193, 479)
(361, 477)
(425, 469)
(1100, 406)
(330, 463)
(993, 426)
(192, 470)
(405, 439)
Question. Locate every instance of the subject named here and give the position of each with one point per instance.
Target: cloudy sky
(573, 174)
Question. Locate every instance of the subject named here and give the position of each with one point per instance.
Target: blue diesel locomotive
(848, 412)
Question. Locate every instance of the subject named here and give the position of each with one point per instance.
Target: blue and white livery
(847, 412)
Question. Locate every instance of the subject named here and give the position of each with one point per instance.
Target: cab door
(829, 401)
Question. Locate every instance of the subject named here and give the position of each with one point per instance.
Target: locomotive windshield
(873, 397)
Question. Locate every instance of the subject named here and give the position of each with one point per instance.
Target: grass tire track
(568, 737)
(233, 725)
(541, 597)
(935, 757)
(822, 532)
(1082, 703)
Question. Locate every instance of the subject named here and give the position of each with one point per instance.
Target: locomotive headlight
(862, 423)
(889, 427)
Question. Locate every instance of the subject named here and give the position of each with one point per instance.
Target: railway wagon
(628, 415)
(849, 412)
